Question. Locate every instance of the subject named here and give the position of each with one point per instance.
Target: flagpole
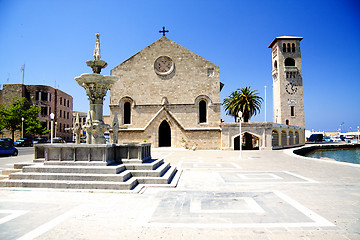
(265, 103)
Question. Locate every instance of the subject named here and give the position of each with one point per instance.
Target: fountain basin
(96, 63)
(95, 78)
(109, 153)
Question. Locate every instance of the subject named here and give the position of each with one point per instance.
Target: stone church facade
(170, 96)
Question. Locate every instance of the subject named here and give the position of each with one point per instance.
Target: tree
(245, 100)
(1, 125)
(248, 102)
(10, 118)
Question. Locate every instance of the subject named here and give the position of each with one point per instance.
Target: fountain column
(96, 86)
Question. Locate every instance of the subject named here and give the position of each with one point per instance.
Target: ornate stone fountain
(96, 86)
(82, 166)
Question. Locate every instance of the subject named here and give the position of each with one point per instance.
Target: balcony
(290, 69)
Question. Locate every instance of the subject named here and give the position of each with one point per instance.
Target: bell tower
(288, 93)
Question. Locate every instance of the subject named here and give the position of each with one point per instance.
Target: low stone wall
(109, 153)
(307, 149)
(287, 136)
(201, 139)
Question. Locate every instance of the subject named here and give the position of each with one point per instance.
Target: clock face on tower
(290, 88)
(163, 65)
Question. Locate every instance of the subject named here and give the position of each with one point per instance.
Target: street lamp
(240, 140)
(55, 129)
(358, 133)
(52, 115)
(22, 127)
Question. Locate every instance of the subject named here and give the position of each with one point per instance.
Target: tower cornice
(284, 38)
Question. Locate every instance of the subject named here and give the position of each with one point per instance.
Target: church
(170, 97)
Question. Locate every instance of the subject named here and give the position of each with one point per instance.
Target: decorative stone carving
(76, 129)
(115, 129)
(97, 47)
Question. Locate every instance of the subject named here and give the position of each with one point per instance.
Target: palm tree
(245, 100)
(248, 102)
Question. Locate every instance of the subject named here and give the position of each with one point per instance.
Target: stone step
(39, 160)
(9, 171)
(131, 161)
(21, 165)
(128, 185)
(75, 169)
(122, 177)
(74, 163)
(148, 165)
(165, 179)
(158, 172)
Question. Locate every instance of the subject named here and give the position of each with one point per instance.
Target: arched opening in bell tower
(289, 62)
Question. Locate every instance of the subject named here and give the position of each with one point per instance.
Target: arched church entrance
(164, 134)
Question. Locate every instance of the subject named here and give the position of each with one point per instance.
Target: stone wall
(174, 97)
(201, 138)
(264, 131)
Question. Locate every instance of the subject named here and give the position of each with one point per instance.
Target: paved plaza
(265, 195)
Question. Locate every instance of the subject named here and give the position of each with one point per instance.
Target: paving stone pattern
(268, 195)
(262, 177)
(240, 209)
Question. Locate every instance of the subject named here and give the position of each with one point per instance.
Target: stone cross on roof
(164, 31)
(97, 47)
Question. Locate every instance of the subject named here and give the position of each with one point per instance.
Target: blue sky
(55, 38)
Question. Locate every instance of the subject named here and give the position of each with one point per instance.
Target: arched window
(275, 64)
(291, 138)
(202, 111)
(289, 62)
(287, 122)
(284, 138)
(297, 138)
(293, 47)
(275, 138)
(284, 47)
(288, 48)
(127, 112)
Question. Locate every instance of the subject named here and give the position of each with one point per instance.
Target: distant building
(49, 99)
(82, 118)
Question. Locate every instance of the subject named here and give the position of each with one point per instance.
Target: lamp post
(22, 127)
(52, 115)
(358, 133)
(240, 137)
(55, 129)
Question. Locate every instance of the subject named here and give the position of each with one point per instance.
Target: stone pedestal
(109, 153)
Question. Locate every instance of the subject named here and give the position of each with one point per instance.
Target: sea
(351, 155)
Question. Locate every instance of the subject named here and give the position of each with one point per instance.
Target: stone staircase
(128, 175)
